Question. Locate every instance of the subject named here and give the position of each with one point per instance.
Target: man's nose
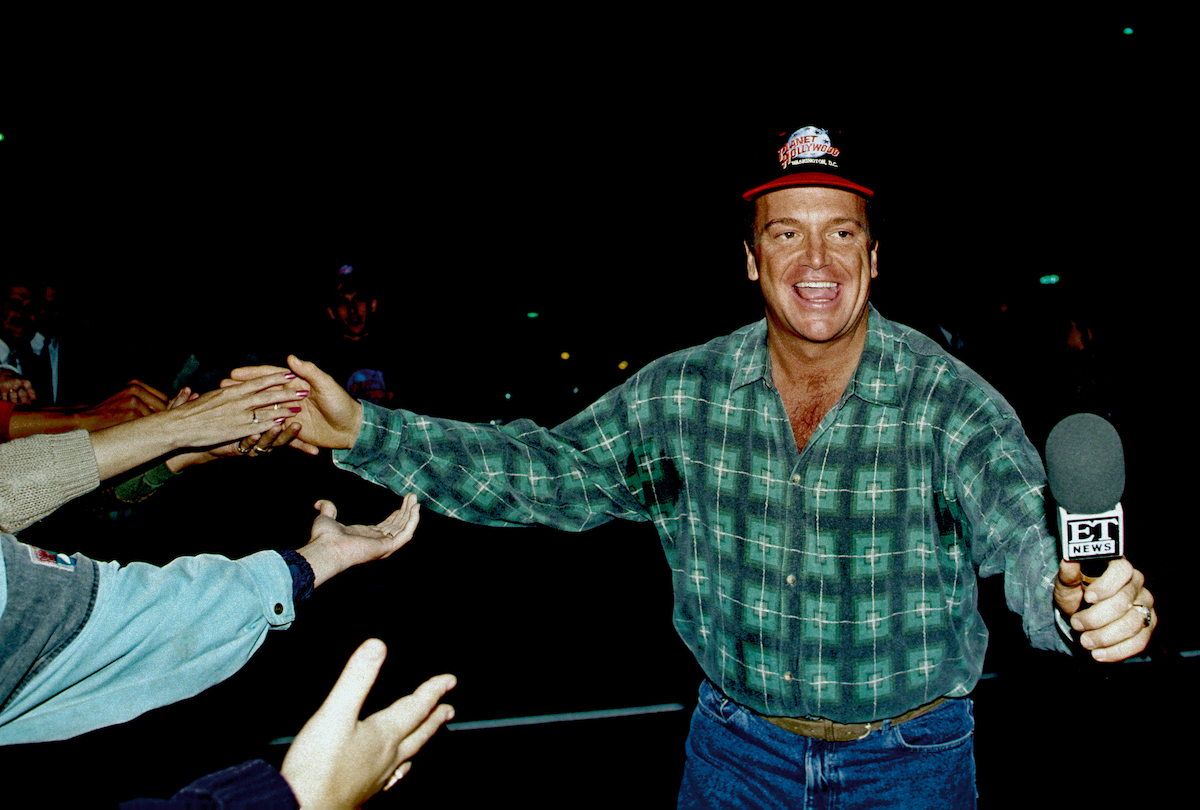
(814, 253)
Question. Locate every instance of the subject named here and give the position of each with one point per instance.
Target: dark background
(193, 191)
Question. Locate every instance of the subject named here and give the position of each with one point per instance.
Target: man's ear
(751, 263)
(332, 317)
(875, 259)
(374, 303)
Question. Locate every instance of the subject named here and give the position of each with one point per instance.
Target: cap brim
(808, 179)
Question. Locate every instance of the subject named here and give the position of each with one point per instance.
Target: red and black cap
(810, 156)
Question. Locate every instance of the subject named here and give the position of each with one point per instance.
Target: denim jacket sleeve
(153, 636)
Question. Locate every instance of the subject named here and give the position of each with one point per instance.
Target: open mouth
(817, 291)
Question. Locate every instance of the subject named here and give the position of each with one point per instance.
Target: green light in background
(1128, 30)
(1051, 279)
(531, 314)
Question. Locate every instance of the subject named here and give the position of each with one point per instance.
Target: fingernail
(281, 420)
(302, 393)
(295, 410)
(289, 376)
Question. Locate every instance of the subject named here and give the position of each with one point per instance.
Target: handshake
(321, 413)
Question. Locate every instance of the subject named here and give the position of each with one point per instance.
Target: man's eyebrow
(796, 223)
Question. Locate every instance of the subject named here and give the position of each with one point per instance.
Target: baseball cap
(809, 156)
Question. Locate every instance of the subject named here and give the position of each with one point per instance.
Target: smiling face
(814, 259)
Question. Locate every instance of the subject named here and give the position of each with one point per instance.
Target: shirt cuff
(273, 579)
(251, 784)
(143, 486)
(302, 575)
(381, 428)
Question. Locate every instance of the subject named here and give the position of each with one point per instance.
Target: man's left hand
(1107, 612)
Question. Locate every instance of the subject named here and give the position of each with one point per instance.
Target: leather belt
(830, 731)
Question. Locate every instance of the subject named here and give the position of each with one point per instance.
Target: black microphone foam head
(1085, 464)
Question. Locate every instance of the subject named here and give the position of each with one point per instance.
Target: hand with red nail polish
(211, 420)
(329, 416)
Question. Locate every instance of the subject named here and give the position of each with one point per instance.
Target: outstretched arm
(212, 419)
(135, 400)
(127, 633)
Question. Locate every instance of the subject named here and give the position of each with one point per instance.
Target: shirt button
(796, 478)
(791, 579)
(787, 676)
(278, 609)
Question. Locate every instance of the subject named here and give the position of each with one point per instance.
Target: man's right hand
(329, 417)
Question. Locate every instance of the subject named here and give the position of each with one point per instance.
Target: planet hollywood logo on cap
(808, 145)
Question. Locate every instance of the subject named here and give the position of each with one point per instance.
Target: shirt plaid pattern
(836, 582)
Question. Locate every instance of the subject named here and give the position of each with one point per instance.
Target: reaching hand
(135, 400)
(1119, 616)
(14, 389)
(330, 417)
(260, 444)
(333, 547)
(252, 446)
(339, 761)
(235, 411)
(213, 419)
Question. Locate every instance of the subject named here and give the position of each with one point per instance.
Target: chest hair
(807, 402)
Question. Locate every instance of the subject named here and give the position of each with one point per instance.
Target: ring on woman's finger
(238, 446)
(396, 776)
(1145, 611)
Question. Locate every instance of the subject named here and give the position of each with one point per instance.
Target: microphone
(1086, 468)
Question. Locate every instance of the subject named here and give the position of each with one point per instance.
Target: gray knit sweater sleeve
(40, 473)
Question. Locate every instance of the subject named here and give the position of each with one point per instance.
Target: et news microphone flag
(1086, 467)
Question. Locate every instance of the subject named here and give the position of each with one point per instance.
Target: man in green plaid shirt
(827, 485)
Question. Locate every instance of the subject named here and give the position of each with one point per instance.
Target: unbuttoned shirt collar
(873, 380)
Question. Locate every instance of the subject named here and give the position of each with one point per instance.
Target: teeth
(817, 284)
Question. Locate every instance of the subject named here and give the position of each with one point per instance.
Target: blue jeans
(736, 759)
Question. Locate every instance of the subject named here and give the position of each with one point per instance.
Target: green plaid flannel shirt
(838, 581)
